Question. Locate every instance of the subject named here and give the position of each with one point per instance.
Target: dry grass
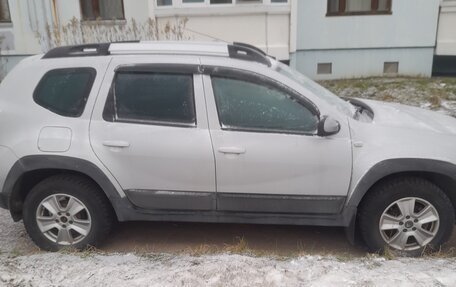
(77, 32)
(203, 249)
(436, 101)
(440, 253)
(89, 251)
(241, 246)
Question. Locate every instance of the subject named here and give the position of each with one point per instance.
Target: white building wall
(266, 26)
(354, 63)
(358, 46)
(27, 17)
(446, 36)
(413, 23)
(262, 25)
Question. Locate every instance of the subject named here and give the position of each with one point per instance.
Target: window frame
(9, 13)
(87, 89)
(252, 77)
(101, 19)
(374, 6)
(109, 114)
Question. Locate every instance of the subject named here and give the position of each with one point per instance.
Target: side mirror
(328, 126)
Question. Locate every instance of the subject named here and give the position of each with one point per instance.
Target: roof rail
(78, 51)
(248, 52)
(236, 50)
(251, 47)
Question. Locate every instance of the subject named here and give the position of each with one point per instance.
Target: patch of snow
(54, 269)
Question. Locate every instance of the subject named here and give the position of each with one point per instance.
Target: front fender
(390, 167)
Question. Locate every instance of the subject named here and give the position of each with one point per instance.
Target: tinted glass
(65, 91)
(158, 97)
(248, 105)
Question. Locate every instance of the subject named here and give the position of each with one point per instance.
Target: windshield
(343, 106)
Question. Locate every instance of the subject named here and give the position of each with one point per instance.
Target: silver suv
(214, 132)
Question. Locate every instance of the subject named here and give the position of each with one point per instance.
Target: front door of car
(149, 128)
(268, 156)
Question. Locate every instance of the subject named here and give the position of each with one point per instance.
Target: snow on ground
(438, 94)
(221, 270)
(22, 265)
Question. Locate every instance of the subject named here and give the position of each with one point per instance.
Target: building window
(167, 2)
(358, 7)
(324, 68)
(221, 1)
(391, 67)
(4, 12)
(186, 3)
(249, 1)
(102, 10)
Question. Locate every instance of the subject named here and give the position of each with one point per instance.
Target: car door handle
(119, 144)
(232, 150)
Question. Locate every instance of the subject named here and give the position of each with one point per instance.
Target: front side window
(149, 97)
(65, 91)
(254, 106)
(358, 7)
(4, 12)
(102, 10)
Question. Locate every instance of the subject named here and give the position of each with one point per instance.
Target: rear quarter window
(65, 91)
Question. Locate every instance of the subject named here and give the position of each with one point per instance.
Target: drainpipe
(437, 29)
(55, 16)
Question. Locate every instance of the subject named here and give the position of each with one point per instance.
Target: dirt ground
(260, 239)
(207, 238)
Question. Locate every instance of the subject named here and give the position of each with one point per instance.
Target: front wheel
(67, 211)
(406, 215)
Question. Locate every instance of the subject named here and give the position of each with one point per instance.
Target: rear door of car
(149, 128)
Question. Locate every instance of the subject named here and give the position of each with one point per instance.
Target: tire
(89, 223)
(427, 227)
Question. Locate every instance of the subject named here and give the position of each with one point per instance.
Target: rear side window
(151, 98)
(65, 91)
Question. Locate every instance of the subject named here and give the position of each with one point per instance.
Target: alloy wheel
(63, 219)
(409, 224)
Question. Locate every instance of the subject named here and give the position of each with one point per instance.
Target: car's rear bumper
(7, 161)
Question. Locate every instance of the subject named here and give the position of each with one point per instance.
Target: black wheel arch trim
(54, 162)
(391, 167)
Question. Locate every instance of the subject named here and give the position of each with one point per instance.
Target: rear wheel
(67, 211)
(406, 215)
